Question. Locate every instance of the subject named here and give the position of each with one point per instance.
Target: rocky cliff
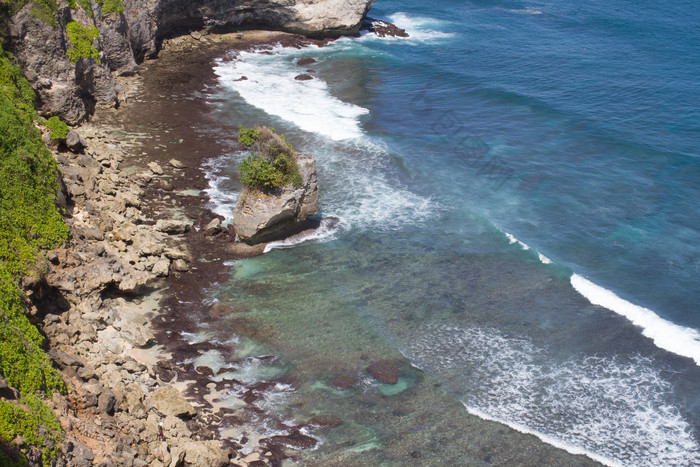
(42, 34)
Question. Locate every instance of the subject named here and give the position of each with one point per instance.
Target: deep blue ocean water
(518, 186)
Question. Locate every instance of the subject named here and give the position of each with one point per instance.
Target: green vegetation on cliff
(44, 10)
(272, 165)
(81, 38)
(29, 222)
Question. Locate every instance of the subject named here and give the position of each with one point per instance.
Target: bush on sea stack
(281, 187)
(272, 163)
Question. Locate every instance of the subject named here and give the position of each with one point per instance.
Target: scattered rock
(179, 265)
(176, 163)
(155, 168)
(219, 309)
(303, 77)
(213, 227)
(342, 382)
(385, 371)
(204, 453)
(306, 61)
(106, 402)
(162, 267)
(382, 28)
(74, 142)
(169, 401)
(326, 421)
(172, 226)
(6, 391)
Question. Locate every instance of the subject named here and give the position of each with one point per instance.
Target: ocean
(517, 185)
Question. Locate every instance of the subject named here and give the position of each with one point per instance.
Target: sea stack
(265, 214)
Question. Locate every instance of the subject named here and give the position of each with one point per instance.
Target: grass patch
(110, 6)
(29, 222)
(272, 163)
(81, 38)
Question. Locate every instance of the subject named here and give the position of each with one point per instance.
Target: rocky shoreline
(130, 281)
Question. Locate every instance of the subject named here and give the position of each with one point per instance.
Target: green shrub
(81, 39)
(59, 130)
(272, 164)
(71, 4)
(110, 6)
(86, 6)
(29, 221)
(31, 419)
(45, 10)
(247, 136)
(258, 174)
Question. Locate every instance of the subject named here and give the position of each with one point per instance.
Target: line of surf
(666, 335)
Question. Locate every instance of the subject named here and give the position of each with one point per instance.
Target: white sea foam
(325, 231)
(614, 411)
(420, 28)
(511, 238)
(270, 86)
(222, 200)
(665, 334)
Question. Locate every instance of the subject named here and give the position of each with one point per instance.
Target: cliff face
(72, 90)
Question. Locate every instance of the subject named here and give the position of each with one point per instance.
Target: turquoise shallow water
(517, 188)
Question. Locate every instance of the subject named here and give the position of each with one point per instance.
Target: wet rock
(165, 371)
(383, 28)
(169, 401)
(385, 371)
(303, 77)
(295, 439)
(342, 382)
(306, 61)
(326, 421)
(213, 227)
(219, 309)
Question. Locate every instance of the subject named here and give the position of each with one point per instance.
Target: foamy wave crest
(420, 28)
(616, 412)
(511, 238)
(665, 334)
(325, 231)
(222, 198)
(270, 86)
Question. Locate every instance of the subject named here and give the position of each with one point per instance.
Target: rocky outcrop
(262, 216)
(72, 90)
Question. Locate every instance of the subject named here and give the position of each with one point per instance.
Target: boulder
(261, 216)
(173, 226)
(169, 401)
(203, 453)
(386, 371)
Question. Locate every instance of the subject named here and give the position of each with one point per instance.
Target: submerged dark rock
(385, 371)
